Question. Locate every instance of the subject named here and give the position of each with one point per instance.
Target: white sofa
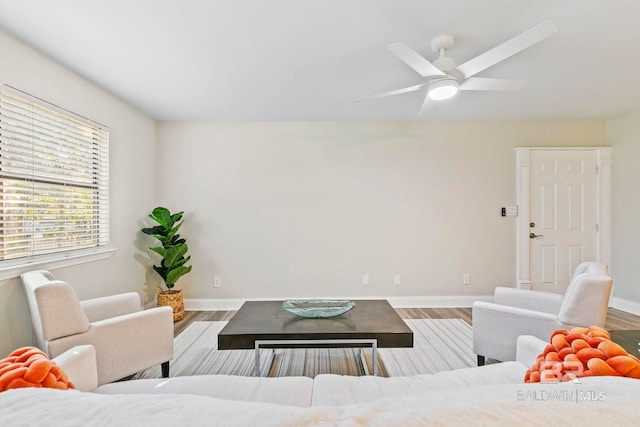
(488, 395)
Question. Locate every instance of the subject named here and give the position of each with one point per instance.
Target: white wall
(132, 162)
(624, 137)
(305, 209)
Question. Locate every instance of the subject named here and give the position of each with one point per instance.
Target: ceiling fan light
(443, 89)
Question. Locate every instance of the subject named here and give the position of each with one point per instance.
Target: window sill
(15, 270)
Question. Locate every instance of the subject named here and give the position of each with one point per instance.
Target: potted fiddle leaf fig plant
(173, 250)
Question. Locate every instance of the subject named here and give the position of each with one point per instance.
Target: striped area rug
(439, 344)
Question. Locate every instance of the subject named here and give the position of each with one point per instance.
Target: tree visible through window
(54, 174)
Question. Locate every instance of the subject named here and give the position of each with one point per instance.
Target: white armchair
(126, 338)
(514, 312)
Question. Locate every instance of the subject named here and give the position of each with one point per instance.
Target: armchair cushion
(591, 267)
(60, 310)
(32, 281)
(583, 300)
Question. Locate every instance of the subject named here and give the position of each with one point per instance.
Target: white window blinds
(54, 176)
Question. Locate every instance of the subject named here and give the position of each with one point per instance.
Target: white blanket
(603, 401)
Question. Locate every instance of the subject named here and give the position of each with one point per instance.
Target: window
(54, 175)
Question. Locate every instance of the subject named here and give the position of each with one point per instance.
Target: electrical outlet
(466, 279)
(217, 282)
(365, 279)
(396, 279)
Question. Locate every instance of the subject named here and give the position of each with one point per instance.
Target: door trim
(603, 207)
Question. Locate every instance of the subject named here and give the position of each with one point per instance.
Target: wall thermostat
(509, 211)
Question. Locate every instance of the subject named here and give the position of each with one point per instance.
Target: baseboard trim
(213, 304)
(438, 301)
(625, 305)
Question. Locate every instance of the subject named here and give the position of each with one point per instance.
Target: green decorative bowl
(317, 308)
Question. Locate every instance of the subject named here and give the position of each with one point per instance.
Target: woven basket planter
(174, 300)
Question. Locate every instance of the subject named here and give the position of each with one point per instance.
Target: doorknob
(534, 235)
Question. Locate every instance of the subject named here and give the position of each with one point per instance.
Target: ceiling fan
(444, 78)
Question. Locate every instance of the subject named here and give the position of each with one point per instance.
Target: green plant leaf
(180, 262)
(175, 274)
(175, 227)
(177, 240)
(160, 250)
(161, 216)
(177, 217)
(162, 271)
(174, 253)
(158, 229)
(165, 240)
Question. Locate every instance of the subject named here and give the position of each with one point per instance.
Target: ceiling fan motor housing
(440, 45)
(442, 42)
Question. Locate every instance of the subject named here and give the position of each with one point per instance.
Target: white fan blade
(414, 60)
(508, 48)
(392, 93)
(484, 83)
(426, 105)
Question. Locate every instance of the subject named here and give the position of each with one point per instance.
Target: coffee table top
(267, 320)
(628, 339)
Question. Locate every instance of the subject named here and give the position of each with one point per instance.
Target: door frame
(603, 207)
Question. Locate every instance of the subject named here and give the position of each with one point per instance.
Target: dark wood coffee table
(265, 324)
(628, 339)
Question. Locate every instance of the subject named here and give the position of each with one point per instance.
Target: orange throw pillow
(30, 367)
(582, 352)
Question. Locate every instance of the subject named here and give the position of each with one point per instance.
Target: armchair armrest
(546, 302)
(111, 306)
(80, 365)
(528, 349)
(496, 328)
(126, 344)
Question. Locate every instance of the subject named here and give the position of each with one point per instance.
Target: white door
(562, 215)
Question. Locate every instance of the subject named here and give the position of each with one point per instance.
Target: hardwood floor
(616, 319)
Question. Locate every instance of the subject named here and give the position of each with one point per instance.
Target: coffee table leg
(372, 342)
(257, 359)
(374, 348)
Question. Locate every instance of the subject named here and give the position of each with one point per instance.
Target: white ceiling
(307, 59)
